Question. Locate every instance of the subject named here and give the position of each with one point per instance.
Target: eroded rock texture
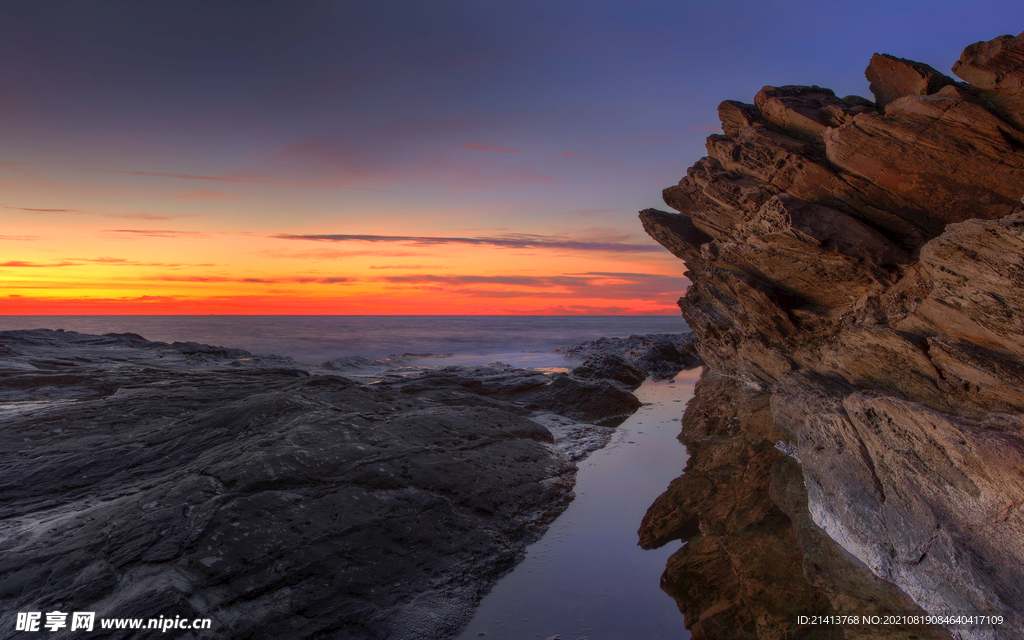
(863, 262)
(141, 479)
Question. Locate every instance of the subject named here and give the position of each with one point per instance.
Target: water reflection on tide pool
(587, 578)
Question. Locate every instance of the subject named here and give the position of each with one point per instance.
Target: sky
(404, 157)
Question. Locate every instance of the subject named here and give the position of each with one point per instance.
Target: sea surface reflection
(587, 578)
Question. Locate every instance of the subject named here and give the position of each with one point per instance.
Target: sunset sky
(435, 157)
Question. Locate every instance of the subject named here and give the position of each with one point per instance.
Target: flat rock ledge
(863, 262)
(143, 479)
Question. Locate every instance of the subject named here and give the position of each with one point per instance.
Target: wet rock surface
(143, 479)
(862, 262)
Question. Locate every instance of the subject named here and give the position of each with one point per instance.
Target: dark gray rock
(142, 479)
(591, 400)
(660, 355)
(610, 366)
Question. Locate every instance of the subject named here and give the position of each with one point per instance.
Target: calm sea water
(587, 579)
(526, 341)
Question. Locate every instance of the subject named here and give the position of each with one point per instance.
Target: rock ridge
(863, 263)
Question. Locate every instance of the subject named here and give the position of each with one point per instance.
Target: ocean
(524, 341)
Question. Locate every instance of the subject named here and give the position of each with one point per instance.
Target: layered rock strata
(863, 262)
(141, 479)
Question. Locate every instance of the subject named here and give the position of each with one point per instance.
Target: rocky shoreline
(281, 500)
(858, 267)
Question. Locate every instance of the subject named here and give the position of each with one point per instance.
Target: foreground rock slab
(141, 479)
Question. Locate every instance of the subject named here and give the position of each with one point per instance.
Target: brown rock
(976, 269)
(677, 233)
(741, 325)
(736, 115)
(892, 78)
(867, 269)
(940, 158)
(996, 70)
(754, 560)
(828, 567)
(996, 65)
(824, 280)
(805, 111)
(828, 228)
(783, 164)
(928, 484)
(740, 573)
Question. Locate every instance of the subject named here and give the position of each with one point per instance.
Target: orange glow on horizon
(256, 305)
(84, 261)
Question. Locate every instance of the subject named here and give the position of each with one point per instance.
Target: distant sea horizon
(527, 341)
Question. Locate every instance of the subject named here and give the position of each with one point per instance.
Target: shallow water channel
(587, 578)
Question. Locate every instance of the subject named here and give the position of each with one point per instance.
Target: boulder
(996, 65)
(892, 78)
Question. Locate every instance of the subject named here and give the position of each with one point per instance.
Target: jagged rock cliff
(863, 262)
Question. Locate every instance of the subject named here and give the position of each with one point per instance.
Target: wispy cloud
(605, 285)
(19, 238)
(527, 281)
(34, 210)
(18, 168)
(511, 241)
(124, 262)
(36, 265)
(590, 213)
(146, 216)
(205, 194)
(106, 261)
(237, 177)
(272, 280)
(155, 233)
(628, 275)
(496, 148)
(121, 216)
(212, 279)
(334, 254)
(581, 309)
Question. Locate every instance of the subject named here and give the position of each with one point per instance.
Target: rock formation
(659, 355)
(142, 479)
(863, 263)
